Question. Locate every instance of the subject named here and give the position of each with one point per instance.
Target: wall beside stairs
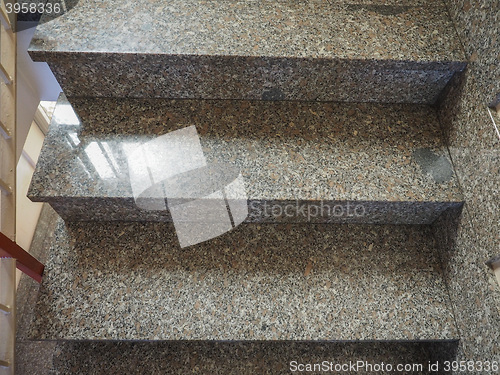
(475, 150)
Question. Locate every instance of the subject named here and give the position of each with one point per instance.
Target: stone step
(259, 50)
(316, 282)
(207, 357)
(53, 243)
(300, 162)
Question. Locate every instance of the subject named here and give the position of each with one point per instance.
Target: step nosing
(55, 55)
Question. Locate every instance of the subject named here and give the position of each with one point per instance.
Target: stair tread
(312, 29)
(132, 281)
(286, 151)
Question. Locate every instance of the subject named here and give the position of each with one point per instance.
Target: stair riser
(253, 78)
(239, 358)
(125, 209)
(271, 50)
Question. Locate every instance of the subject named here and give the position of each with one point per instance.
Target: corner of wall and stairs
(474, 145)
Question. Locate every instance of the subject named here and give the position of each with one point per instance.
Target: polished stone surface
(473, 289)
(467, 244)
(251, 78)
(347, 162)
(253, 28)
(35, 357)
(258, 282)
(477, 23)
(27, 290)
(270, 50)
(261, 281)
(247, 358)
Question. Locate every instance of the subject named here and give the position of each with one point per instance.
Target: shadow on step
(206, 357)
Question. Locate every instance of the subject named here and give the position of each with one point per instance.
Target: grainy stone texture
(387, 162)
(270, 50)
(180, 357)
(34, 357)
(258, 282)
(273, 281)
(252, 78)
(228, 358)
(477, 23)
(218, 27)
(27, 290)
(474, 146)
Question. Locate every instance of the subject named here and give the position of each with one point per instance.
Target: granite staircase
(328, 110)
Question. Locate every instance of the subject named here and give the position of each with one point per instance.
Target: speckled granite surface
(253, 28)
(258, 282)
(467, 244)
(35, 357)
(108, 75)
(475, 150)
(477, 24)
(271, 50)
(387, 160)
(257, 357)
(474, 291)
(222, 358)
(27, 289)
